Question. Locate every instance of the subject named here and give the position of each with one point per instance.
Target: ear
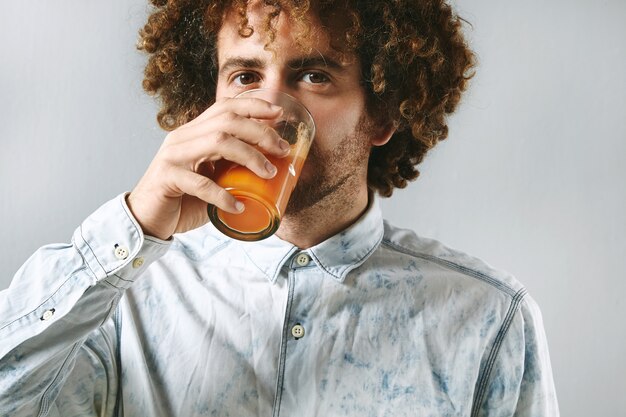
(382, 135)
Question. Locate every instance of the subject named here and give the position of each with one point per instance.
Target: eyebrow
(294, 64)
(240, 62)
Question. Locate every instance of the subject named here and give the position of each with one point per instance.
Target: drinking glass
(265, 200)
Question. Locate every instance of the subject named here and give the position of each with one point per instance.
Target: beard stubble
(335, 175)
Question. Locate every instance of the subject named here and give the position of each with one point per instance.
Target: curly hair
(415, 65)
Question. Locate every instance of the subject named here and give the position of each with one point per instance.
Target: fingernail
(284, 145)
(271, 169)
(274, 107)
(239, 206)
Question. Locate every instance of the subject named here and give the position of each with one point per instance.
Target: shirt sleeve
(61, 295)
(520, 382)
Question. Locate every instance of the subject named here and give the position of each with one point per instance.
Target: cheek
(333, 123)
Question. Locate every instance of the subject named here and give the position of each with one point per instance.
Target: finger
(199, 186)
(248, 130)
(193, 153)
(250, 107)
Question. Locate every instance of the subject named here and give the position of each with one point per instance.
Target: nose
(290, 91)
(281, 83)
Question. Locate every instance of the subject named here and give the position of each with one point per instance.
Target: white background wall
(531, 178)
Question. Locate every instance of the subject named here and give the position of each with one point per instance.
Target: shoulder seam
(457, 267)
(495, 350)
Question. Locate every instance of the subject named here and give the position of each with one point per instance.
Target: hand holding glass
(265, 200)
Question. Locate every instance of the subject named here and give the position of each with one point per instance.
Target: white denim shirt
(375, 321)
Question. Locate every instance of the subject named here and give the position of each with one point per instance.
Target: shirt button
(138, 262)
(303, 259)
(47, 315)
(297, 331)
(121, 252)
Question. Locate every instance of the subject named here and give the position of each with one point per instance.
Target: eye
(314, 77)
(245, 78)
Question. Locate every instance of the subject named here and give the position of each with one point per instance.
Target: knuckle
(202, 182)
(221, 138)
(222, 100)
(170, 137)
(171, 154)
(222, 196)
(268, 130)
(230, 116)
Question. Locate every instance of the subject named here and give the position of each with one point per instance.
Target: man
(151, 312)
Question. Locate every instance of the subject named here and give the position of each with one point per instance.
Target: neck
(324, 219)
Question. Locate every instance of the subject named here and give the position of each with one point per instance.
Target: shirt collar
(336, 256)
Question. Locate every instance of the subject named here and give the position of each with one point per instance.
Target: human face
(325, 81)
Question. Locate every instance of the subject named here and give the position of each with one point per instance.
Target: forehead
(280, 38)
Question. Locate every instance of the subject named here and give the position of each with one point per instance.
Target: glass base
(258, 221)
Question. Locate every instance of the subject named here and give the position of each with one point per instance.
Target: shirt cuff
(113, 245)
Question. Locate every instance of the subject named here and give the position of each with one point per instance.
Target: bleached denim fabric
(375, 321)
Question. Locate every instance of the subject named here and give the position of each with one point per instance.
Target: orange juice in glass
(265, 200)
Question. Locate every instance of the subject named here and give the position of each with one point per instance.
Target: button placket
(297, 331)
(303, 259)
(47, 315)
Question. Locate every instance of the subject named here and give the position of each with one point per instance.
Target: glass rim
(290, 97)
